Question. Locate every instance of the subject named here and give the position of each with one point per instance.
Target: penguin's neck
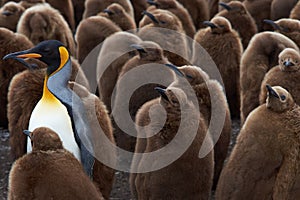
(56, 85)
(47, 95)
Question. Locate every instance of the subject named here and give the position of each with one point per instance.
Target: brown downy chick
(92, 32)
(29, 3)
(282, 9)
(240, 20)
(66, 9)
(286, 74)
(196, 173)
(287, 27)
(42, 22)
(259, 10)
(115, 52)
(138, 8)
(295, 12)
(198, 10)
(49, 171)
(116, 13)
(217, 39)
(260, 56)
(177, 9)
(9, 42)
(164, 28)
(93, 7)
(210, 93)
(265, 160)
(150, 57)
(10, 14)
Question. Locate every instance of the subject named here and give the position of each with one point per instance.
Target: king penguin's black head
(51, 52)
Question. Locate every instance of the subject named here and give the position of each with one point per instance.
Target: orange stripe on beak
(30, 55)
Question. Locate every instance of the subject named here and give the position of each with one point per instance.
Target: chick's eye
(283, 97)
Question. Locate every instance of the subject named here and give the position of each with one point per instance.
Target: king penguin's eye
(46, 50)
(283, 97)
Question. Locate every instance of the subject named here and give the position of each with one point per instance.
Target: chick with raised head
(117, 14)
(240, 20)
(177, 9)
(260, 56)
(265, 160)
(164, 28)
(286, 74)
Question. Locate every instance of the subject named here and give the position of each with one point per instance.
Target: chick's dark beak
(162, 93)
(288, 64)
(175, 69)
(151, 2)
(139, 48)
(224, 5)
(7, 13)
(152, 17)
(21, 55)
(272, 23)
(271, 91)
(109, 12)
(210, 24)
(28, 133)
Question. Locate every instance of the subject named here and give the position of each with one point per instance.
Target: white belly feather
(54, 116)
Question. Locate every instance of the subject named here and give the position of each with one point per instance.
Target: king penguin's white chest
(54, 115)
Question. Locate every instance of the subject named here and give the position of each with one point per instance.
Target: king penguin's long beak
(271, 91)
(224, 5)
(21, 55)
(150, 16)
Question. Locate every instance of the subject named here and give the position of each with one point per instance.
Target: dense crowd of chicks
(253, 43)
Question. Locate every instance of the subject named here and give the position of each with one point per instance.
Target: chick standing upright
(224, 45)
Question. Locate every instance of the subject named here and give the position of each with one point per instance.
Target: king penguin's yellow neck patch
(64, 56)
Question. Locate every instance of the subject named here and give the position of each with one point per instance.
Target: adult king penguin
(59, 108)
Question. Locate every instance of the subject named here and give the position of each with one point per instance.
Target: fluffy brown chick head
(163, 4)
(279, 100)
(234, 7)
(218, 25)
(173, 98)
(12, 8)
(195, 75)
(44, 139)
(162, 19)
(149, 51)
(289, 60)
(285, 25)
(29, 3)
(114, 10)
(10, 15)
